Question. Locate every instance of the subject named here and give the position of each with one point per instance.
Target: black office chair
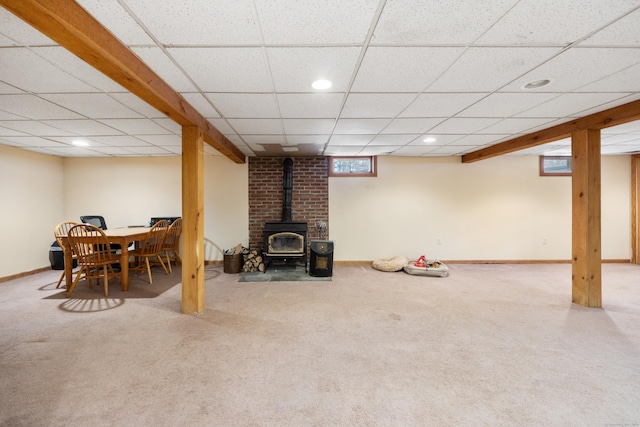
(98, 221)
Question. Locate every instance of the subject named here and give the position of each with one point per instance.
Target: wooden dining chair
(171, 246)
(92, 247)
(151, 249)
(62, 230)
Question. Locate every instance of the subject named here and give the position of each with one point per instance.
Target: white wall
(31, 205)
(495, 209)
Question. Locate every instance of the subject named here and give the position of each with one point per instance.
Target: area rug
(282, 274)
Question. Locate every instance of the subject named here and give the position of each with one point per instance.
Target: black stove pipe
(287, 189)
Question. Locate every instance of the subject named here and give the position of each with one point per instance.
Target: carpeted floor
(490, 345)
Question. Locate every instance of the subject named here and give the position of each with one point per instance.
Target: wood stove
(285, 242)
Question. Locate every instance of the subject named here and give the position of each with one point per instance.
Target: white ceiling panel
(364, 105)
(363, 126)
(487, 69)
(136, 126)
(33, 128)
(394, 139)
(166, 68)
(623, 32)
(33, 141)
(224, 69)
(202, 104)
(265, 139)
(169, 125)
(570, 104)
(33, 107)
(625, 80)
(350, 140)
(316, 22)
(413, 125)
(310, 105)
(502, 104)
(403, 69)
(257, 126)
(412, 150)
(119, 21)
(20, 33)
(308, 126)
(294, 69)
(307, 139)
(7, 89)
(542, 22)
(119, 141)
(92, 105)
(514, 125)
(436, 21)
(162, 140)
(245, 105)
(25, 70)
(342, 150)
(440, 139)
(441, 104)
(136, 104)
(458, 125)
(578, 67)
(377, 150)
(199, 22)
(83, 127)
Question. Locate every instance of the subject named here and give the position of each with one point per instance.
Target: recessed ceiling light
(429, 139)
(80, 143)
(536, 84)
(321, 84)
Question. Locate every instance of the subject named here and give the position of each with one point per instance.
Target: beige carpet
(490, 345)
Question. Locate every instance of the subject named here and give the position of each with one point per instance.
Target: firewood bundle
(253, 262)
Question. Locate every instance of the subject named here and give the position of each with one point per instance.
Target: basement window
(353, 166)
(555, 165)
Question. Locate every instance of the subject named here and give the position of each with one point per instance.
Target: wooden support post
(192, 220)
(635, 188)
(586, 245)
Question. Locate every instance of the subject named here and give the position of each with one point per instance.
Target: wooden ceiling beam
(614, 116)
(73, 28)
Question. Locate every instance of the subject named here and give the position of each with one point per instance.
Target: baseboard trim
(24, 274)
(498, 261)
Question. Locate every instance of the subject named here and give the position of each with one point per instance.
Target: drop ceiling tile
(578, 67)
(570, 104)
(5, 131)
(326, 22)
(362, 126)
(308, 126)
(295, 68)
(136, 104)
(27, 71)
(412, 150)
(413, 125)
(485, 69)
(8, 89)
(16, 29)
(119, 141)
(32, 141)
(307, 139)
(515, 125)
(33, 107)
(92, 105)
(69, 151)
(222, 126)
(265, 139)
(33, 128)
(372, 105)
(437, 22)
(502, 104)
(611, 104)
(440, 139)
(441, 104)
(76, 67)
(623, 32)
(150, 150)
(6, 41)
(453, 150)
(378, 150)
(391, 139)
(402, 69)
(162, 140)
(623, 81)
(342, 150)
(113, 151)
(618, 150)
(168, 71)
(257, 126)
(169, 125)
(8, 116)
(199, 22)
(225, 70)
(83, 127)
(245, 105)
(201, 104)
(136, 126)
(463, 125)
(112, 16)
(309, 105)
(623, 128)
(350, 140)
(545, 22)
(477, 141)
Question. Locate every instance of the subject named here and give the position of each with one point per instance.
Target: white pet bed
(390, 264)
(432, 268)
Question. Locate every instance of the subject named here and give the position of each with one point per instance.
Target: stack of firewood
(253, 262)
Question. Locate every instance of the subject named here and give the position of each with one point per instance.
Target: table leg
(68, 268)
(124, 267)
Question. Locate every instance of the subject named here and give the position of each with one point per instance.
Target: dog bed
(424, 267)
(390, 264)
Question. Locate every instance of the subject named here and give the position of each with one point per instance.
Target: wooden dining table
(124, 237)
